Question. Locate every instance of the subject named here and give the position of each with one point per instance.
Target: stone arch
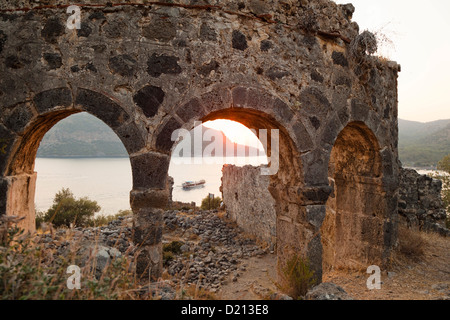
(354, 228)
(257, 109)
(31, 120)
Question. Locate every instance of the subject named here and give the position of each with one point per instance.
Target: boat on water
(193, 184)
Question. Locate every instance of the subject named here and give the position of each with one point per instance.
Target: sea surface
(109, 181)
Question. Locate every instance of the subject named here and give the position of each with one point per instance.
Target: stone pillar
(148, 199)
(300, 214)
(148, 225)
(17, 199)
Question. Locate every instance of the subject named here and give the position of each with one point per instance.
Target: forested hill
(423, 144)
(82, 135)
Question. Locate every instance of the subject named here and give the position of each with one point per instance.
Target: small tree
(444, 165)
(210, 203)
(67, 210)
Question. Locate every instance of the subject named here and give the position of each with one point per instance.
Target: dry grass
(31, 270)
(34, 268)
(411, 244)
(196, 293)
(297, 277)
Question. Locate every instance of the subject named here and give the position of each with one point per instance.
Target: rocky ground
(205, 255)
(208, 257)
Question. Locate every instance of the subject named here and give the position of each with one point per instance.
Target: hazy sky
(420, 32)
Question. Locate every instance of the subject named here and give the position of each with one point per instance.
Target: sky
(419, 34)
(415, 34)
(236, 132)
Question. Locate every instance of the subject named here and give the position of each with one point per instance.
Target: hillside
(82, 135)
(239, 150)
(423, 144)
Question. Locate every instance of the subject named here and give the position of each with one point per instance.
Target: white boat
(193, 184)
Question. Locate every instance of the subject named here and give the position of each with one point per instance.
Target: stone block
(149, 262)
(19, 118)
(47, 100)
(315, 215)
(52, 30)
(7, 139)
(303, 139)
(151, 198)
(162, 64)
(150, 170)
(239, 41)
(131, 137)
(314, 102)
(147, 226)
(217, 99)
(102, 107)
(123, 65)
(164, 140)
(149, 99)
(193, 110)
(160, 29)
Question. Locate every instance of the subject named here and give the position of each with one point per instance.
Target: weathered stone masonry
(248, 201)
(149, 68)
(420, 202)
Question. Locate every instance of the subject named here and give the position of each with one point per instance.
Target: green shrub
(170, 250)
(67, 210)
(298, 277)
(102, 220)
(210, 204)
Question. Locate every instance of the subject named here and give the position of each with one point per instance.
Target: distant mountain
(423, 144)
(228, 146)
(82, 135)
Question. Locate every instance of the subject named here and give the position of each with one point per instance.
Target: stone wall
(420, 202)
(248, 202)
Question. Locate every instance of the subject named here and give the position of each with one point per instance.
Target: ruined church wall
(420, 202)
(248, 201)
(149, 68)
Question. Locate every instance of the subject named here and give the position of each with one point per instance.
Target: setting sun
(236, 132)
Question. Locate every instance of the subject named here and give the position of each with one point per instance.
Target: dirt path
(256, 280)
(426, 279)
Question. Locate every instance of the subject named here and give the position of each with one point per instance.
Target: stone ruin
(250, 204)
(420, 203)
(147, 68)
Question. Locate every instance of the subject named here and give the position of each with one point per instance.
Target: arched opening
(36, 119)
(286, 174)
(83, 154)
(352, 232)
(198, 157)
(258, 110)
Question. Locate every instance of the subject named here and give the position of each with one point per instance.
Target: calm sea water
(108, 180)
